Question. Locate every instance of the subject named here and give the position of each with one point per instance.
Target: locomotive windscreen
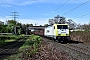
(62, 27)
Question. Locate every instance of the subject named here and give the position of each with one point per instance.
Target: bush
(83, 36)
(31, 46)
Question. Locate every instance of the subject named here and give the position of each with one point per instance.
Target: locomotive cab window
(48, 31)
(62, 27)
(54, 27)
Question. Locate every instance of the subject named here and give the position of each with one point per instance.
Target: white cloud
(33, 21)
(1, 19)
(40, 21)
(5, 5)
(52, 12)
(4, 19)
(43, 21)
(29, 2)
(39, 6)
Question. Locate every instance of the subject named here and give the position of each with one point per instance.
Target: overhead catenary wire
(60, 7)
(84, 11)
(76, 7)
(4, 6)
(4, 2)
(4, 11)
(83, 15)
(7, 9)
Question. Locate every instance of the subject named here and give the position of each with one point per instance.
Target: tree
(1, 23)
(57, 20)
(62, 20)
(86, 26)
(9, 28)
(40, 25)
(19, 24)
(71, 23)
(13, 22)
(45, 25)
(3, 28)
(50, 21)
(28, 25)
(79, 26)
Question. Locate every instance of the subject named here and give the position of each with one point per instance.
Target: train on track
(59, 32)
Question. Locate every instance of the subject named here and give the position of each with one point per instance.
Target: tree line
(11, 24)
(72, 25)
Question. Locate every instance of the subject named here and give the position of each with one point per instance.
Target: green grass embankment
(4, 39)
(28, 49)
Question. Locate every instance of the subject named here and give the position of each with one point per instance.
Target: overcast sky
(39, 11)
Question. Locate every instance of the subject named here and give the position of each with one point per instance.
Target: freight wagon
(59, 32)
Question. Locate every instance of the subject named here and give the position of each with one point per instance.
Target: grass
(28, 49)
(10, 40)
(4, 39)
(31, 43)
(14, 57)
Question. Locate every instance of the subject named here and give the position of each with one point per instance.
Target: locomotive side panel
(49, 31)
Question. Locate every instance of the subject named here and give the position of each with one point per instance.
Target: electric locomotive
(59, 32)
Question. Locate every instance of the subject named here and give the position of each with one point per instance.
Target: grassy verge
(28, 50)
(4, 39)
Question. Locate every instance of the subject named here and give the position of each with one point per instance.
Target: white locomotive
(59, 32)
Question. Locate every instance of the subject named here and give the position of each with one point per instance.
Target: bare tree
(55, 21)
(62, 20)
(71, 23)
(50, 21)
(79, 26)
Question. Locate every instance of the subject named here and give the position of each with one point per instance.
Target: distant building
(1, 23)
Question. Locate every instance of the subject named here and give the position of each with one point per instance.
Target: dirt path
(11, 48)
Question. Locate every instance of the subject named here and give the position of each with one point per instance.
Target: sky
(40, 11)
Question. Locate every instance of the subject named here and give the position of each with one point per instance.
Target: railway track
(11, 48)
(78, 51)
(80, 48)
